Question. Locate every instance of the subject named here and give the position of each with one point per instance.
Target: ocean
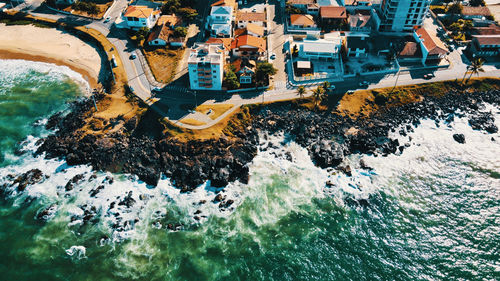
(429, 213)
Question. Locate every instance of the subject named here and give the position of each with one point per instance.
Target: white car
(364, 84)
(133, 56)
(107, 19)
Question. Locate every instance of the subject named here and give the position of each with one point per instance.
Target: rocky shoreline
(329, 138)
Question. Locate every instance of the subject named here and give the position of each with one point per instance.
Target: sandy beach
(50, 45)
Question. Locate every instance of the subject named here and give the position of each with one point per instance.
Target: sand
(50, 45)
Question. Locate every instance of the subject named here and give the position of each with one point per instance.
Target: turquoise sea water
(432, 213)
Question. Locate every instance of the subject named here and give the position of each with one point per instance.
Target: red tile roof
(487, 39)
(249, 40)
(333, 12)
(433, 45)
(250, 16)
(302, 20)
(476, 11)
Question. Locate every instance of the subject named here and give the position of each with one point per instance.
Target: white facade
(220, 21)
(320, 48)
(403, 15)
(206, 66)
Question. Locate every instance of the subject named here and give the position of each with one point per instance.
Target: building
(360, 22)
(159, 35)
(485, 46)
(245, 70)
(206, 66)
(332, 16)
(399, 15)
(298, 21)
(244, 18)
(321, 49)
(231, 3)
(226, 42)
(248, 46)
(433, 49)
(357, 45)
(301, 4)
(470, 12)
(251, 29)
(220, 21)
(141, 16)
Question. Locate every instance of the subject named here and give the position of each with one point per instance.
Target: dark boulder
(30, 177)
(326, 153)
(460, 138)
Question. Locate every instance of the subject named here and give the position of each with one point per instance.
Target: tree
(455, 9)
(141, 34)
(263, 71)
(476, 67)
(301, 91)
(231, 80)
(447, 2)
(180, 31)
(188, 14)
(295, 51)
(477, 3)
(326, 86)
(318, 94)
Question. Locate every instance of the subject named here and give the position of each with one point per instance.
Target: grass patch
(217, 109)
(192, 122)
(163, 62)
(363, 103)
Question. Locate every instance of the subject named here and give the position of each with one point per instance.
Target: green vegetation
(25, 22)
(475, 67)
(293, 10)
(180, 31)
(477, 3)
(264, 70)
(455, 9)
(231, 80)
(85, 6)
(460, 29)
(318, 95)
(181, 7)
(301, 91)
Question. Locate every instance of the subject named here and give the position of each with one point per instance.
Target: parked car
(364, 84)
(156, 90)
(107, 19)
(133, 56)
(429, 76)
(273, 56)
(350, 92)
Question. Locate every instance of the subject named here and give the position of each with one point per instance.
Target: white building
(141, 16)
(244, 18)
(206, 66)
(403, 15)
(220, 21)
(327, 48)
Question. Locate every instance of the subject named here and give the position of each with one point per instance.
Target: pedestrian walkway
(176, 88)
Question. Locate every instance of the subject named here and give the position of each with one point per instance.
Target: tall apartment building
(206, 66)
(403, 15)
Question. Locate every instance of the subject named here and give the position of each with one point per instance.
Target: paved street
(176, 95)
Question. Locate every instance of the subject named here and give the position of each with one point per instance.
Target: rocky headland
(328, 135)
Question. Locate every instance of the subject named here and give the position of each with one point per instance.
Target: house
(140, 16)
(251, 29)
(313, 9)
(410, 52)
(470, 12)
(169, 20)
(357, 45)
(301, 4)
(226, 42)
(299, 21)
(231, 3)
(485, 46)
(244, 18)
(360, 22)
(159, 35)
(433, 50)
(491, 29)
(321, 49)
(332, 16)
(220, 21)
(248, 46)
(206, 66)
(245, 70)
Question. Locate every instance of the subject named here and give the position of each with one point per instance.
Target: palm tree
(318, 95)
(326, 86)
(476, 67)
(301, 91)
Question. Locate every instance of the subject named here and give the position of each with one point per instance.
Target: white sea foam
(12, 70)
(77, 252)
(283, 179)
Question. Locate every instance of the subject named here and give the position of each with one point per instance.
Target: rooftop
(410, 50)
(226, 42)
(171, 20)
(359, 42)
(332, 12)
(160, 32)
(252, 28)
(249, 40)
(487, 39)
(138, 12)
(300, 2)
(206, 52)
(476, 11)
(302, 20)
(319, 46)
(221, 10)
(250, 16)
(359, 20)
(433, 45)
